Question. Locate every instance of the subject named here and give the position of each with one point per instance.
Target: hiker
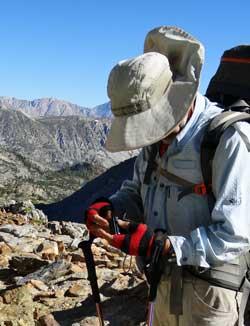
(157, 107)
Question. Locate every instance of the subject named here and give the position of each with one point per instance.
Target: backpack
(230, 87)
(231, 80)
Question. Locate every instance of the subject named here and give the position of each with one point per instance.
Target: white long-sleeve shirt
(198, 237)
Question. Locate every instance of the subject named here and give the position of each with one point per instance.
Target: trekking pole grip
(90, 263)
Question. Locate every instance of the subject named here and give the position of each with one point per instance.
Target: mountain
(54, 107)
(49, 157)
(102, 111)
(55, 142)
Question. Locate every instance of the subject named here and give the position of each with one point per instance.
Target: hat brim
(186, 56)
(128, 133)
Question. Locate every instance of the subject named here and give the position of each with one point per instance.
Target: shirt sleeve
(228, 235)
(128, 199)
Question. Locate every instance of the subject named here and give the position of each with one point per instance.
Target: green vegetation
(50, 186)
(27, 209)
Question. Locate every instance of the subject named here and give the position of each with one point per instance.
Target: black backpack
(231, 80)
(230, 86)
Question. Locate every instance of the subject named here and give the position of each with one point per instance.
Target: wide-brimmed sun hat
(151, 93)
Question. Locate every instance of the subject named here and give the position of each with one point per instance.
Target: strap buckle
(200, 189)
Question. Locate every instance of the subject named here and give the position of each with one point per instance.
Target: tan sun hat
(150, 94)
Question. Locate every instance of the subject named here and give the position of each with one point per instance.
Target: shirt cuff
(183, 250)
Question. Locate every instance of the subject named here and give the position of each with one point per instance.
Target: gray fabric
(203, 304)
(245, 296)
(176, 292)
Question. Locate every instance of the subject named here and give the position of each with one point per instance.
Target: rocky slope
(51, 156)
(56, 141)
(44, 279)
(43, 275)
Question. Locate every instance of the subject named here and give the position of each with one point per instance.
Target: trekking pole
(153, 273)
(86, 248)
(151, 301)
(151, 307)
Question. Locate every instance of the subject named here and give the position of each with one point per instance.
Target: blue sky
(66, 48)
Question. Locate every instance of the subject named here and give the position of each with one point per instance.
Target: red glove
(102, 207)
(138, 241)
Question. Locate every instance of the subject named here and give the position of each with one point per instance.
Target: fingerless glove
(101, 206)
(137, 242)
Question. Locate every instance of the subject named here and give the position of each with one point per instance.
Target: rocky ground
(44, 280)
(43, 276)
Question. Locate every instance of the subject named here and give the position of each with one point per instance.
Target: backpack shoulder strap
(240, 106)
(208, 147)
(212, 136)
(151, 165)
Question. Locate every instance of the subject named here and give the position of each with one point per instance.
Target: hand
(139, 238)
(139, 241)
(97, 216)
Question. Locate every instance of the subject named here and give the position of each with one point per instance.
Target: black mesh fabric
(231, 80)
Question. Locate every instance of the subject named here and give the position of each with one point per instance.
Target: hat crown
(137, 84)
(184, 52)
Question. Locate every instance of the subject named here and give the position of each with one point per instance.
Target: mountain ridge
(51, 106)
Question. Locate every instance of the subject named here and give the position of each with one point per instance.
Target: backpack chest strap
(189, 187)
